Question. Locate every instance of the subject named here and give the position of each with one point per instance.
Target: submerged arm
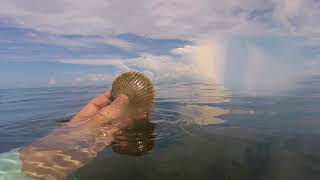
(66, 149)
(63, 151)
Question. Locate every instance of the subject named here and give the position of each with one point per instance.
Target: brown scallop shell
(138, 88)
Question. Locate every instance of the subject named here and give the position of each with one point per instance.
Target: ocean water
(197, 131)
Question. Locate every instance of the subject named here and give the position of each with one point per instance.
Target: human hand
(63, 146)
(101, 110)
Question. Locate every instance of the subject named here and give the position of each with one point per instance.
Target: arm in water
(70, 147)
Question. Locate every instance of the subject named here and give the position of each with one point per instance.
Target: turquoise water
(197, 131)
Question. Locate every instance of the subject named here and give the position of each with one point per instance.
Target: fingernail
(124, 97)
(121, 99)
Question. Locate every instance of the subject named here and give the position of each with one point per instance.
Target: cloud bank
(262, 73)
(208, 24)
(198, 62)
(184, 19)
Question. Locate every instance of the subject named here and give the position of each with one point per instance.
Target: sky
(251, 43)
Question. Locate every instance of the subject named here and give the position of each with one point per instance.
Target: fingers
(99, 111)
(94, 106)
(101, 101)
(115, 109)
(108, 95)
(120, 102)
(108, 114)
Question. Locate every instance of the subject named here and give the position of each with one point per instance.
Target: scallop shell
(138, 88)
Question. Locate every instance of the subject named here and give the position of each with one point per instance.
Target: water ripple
(24, 112)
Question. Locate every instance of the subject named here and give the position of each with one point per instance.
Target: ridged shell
(138, 88)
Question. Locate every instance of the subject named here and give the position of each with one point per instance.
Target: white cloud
(206, 62)
(263, 73)
(84, 41)
(199, 21)
(183, 19)
(199, 62)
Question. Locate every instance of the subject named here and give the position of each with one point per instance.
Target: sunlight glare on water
(197, 131)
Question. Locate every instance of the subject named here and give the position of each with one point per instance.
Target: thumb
(115, 109)
(120, 102)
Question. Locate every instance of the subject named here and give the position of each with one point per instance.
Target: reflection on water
(197, 131)
(136, 141)
(203, 115)
(199, 93)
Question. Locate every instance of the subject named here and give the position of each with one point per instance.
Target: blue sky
(67, 42)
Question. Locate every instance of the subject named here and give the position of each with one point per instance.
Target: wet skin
(66, 149)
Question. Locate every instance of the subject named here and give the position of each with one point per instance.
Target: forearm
(64, 150)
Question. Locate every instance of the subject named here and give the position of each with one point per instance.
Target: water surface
(197, 131)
